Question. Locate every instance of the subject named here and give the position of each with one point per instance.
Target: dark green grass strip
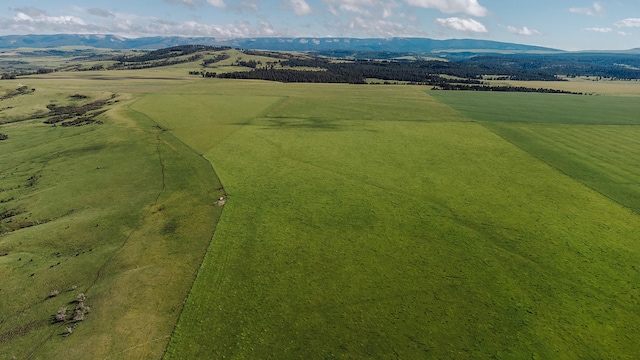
(578, 135)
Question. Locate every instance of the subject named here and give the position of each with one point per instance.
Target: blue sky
(563, 24)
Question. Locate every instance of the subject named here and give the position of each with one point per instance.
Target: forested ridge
(438, 74)
(464, 71)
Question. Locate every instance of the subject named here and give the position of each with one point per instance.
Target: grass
(375, 222)
(592, 139)
(603, 87)
(543, 108)
(360, 221)
(202, 121)
(603, 157)
(94, 205)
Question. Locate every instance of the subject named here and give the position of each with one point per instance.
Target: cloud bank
(595, 9)
(630, 22)
(300, 7)
(460, 24)
(468, 7)
(525, 31)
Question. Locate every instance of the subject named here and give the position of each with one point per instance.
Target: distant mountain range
(396, 45)
(422, 46)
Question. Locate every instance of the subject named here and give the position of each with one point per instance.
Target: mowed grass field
(378, 222)
(120, 211)
(595, 140)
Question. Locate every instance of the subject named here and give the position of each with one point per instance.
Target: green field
(376, 222)
(360, 221)
(593, 140)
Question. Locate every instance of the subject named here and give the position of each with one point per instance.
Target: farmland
(433, 236)
(360, 221)
(593, 140)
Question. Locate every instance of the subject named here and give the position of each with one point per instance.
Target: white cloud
(191, 4)
(595, 9)
(300, 7)
(267, 29)
(371, 27)
(460, 24)
(132, 26)
(217, 3)
(101, 12)
(379, 9)
(600, 29)
(355, 6)
(380, 28)
(48, 20)
(249, 5)
(28, 10)
(630, 22)
(469, 7)
(598, 7)
(523, 31)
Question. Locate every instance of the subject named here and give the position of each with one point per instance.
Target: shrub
(61, 315)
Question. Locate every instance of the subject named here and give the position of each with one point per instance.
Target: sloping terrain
(117, 210)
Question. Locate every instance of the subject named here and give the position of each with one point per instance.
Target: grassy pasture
(362, 222)
(200, 120)
(602, 87)
(543, 108)
(605, 158)
(122, 212)
(374, 221)
(595, 140)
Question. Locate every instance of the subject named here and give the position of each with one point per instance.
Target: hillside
(337, 66)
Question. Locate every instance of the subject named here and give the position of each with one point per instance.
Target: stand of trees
(152, 64)
(169, 52)
(450, 86)
(215, 59)
(288, 75)
(413, 73)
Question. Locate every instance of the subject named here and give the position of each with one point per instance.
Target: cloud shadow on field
(311, 123)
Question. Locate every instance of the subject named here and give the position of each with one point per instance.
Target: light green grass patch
(122, 212)
(202, 121)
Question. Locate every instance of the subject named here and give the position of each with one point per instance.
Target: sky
(560, 24)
